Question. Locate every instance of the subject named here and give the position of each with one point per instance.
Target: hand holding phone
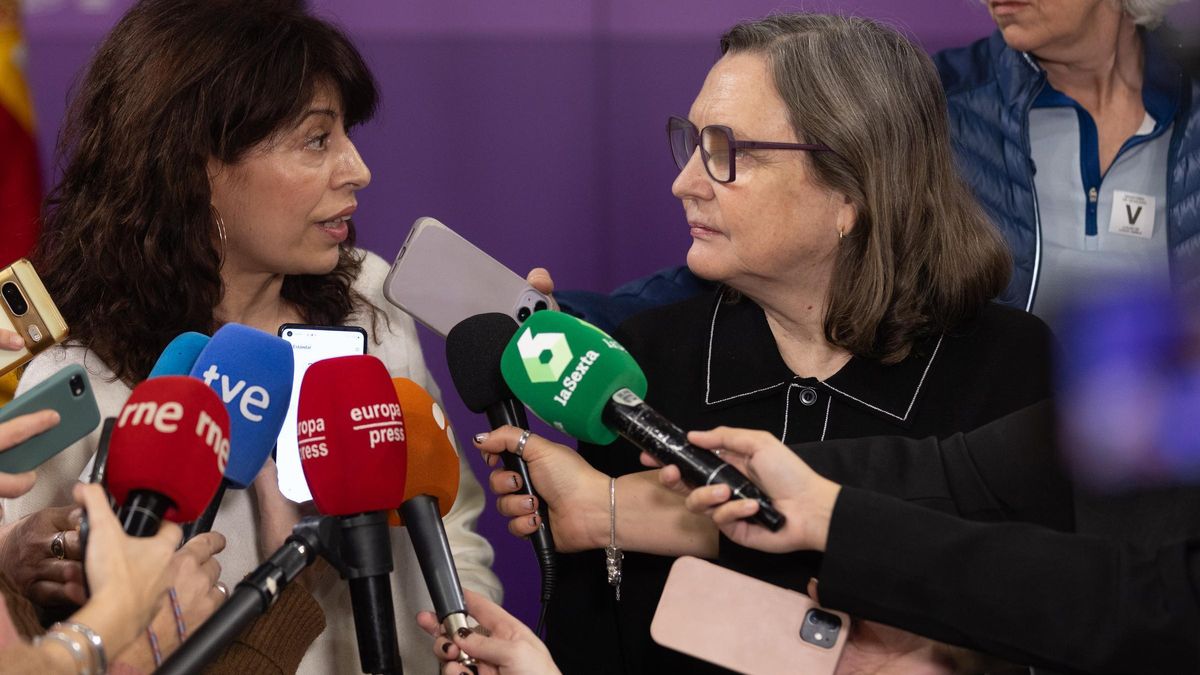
(26, 310)
(69, 392)
(746, 624)
(440, 278)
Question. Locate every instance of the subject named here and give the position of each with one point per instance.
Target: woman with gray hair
(854, 276)
(1079, 134)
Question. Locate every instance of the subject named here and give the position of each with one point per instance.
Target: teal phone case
(70, 393)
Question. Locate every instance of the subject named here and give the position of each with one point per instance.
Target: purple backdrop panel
(534, 128)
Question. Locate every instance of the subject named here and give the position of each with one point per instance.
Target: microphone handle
(205, 645)
(249, 600)
(205, 522)
(512, 413)
(423, 519)
(643, 426)
(143, 512)
(366, 550)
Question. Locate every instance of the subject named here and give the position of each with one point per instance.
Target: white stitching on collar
(787, 406)
(911, 402)
(826, 427)
(712, 329)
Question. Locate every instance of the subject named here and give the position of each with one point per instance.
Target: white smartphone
(439, 278)
(309, 345)
(746, 624)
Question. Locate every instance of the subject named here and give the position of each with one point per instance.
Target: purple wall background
(532, 127)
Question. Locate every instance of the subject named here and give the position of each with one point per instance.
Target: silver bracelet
(612, 554)
(72, 646)
(99, 658)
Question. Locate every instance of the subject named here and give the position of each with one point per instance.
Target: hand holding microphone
(501, 642)
(166, 455)
(584, 383)
(803, 495)
(473, 351)
(431, 486)
(574, 494)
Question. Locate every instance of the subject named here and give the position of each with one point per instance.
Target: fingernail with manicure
(464, 633)
(529, 503)
(515, 484)
(446, 648)
(480, 437)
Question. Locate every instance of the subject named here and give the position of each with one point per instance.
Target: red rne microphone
(354, 452)
(167, 453)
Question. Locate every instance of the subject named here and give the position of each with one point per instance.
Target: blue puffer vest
(989, 90)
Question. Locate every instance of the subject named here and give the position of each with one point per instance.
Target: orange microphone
(430, 488)
(432, 451)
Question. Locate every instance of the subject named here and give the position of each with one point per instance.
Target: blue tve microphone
(251, 371)
(179, 355)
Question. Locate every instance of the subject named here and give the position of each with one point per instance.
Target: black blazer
(711, 361)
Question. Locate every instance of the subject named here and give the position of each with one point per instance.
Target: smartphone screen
(309, 345)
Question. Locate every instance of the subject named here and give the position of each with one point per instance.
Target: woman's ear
(214, 169)
(846, 214)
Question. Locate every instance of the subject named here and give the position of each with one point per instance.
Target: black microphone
(473, 350)
(423, 519)
(255, 594)
(647, 429)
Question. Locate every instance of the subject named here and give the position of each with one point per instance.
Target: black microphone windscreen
(473, 349)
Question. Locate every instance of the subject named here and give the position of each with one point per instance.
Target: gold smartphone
(26, 308)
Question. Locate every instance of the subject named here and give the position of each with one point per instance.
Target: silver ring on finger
(520, 451)
(220, 586)
(58, 546)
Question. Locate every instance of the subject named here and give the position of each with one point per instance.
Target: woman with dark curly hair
(210, 178)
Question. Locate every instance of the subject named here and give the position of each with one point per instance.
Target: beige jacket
(336, 650)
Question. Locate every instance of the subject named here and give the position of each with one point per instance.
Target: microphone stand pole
(255, 594)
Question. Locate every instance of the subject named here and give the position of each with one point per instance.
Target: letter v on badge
(1132, 214)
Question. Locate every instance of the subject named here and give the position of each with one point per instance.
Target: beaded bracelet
(180, 628)
(154, 650)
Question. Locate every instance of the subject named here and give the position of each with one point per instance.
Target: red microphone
(167, 453)
(354, 451)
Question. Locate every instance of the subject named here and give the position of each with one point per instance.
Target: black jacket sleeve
(1006, 470)
(1022, 592)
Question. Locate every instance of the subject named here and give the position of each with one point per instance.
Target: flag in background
(20, 177)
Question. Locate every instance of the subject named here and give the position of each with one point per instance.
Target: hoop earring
(220, 223)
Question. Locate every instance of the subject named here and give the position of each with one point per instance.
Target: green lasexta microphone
(583, 383)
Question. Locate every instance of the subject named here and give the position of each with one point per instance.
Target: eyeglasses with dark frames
(718, 147)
